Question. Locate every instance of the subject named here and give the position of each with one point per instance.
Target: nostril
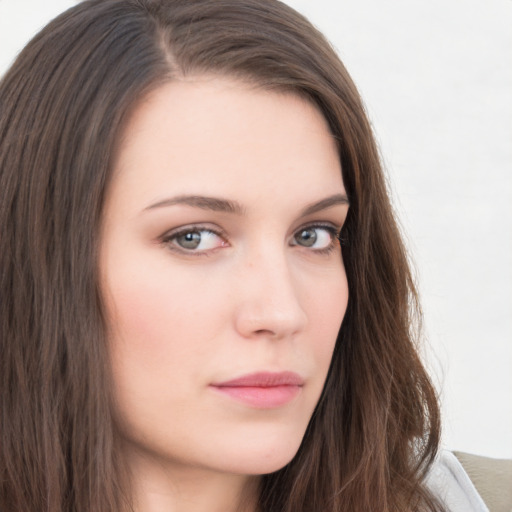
(265, 332)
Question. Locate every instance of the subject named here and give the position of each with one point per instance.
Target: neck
(172, 487)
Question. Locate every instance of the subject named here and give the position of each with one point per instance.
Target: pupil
(308, 237)
(190, 240)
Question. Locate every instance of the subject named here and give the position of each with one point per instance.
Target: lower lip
(261, 397)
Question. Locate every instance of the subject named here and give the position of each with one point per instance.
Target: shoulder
(450, 483)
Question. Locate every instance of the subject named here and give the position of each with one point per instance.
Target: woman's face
(222, 275)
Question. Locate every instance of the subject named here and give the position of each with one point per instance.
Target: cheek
(141, 312)
(326, 307)
(159, 323)
(159, 344)
(154, 300)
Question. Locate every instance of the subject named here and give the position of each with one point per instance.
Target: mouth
(263, 390)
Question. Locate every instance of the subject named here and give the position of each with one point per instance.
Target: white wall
(437, 80)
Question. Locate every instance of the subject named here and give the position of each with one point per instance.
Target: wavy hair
(63, 105)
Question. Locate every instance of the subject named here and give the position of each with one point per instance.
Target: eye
(318, 238)
(194, 240)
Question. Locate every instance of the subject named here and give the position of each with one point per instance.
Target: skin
(253, 296)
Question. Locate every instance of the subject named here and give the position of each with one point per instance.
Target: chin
(265, 467)
(261, 458)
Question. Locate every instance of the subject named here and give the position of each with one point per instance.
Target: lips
(263, 390)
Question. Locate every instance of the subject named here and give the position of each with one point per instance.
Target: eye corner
(343, 238)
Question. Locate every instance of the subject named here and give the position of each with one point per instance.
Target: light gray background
(436, 77)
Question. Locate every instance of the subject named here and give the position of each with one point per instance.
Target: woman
(193, 318)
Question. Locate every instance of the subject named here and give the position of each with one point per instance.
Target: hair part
(63, 106)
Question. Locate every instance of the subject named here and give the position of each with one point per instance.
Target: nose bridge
(270, 302)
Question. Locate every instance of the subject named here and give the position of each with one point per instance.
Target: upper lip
(263, 380)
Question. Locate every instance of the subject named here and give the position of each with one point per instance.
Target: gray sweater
(448, 480)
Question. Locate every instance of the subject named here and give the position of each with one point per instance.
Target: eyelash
(169, 238)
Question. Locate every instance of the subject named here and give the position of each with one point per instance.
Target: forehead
(225, 137)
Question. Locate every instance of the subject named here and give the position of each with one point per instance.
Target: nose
(268, 302)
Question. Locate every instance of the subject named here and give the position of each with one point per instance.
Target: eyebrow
(228, 206)
(326, 203)
(203, 202)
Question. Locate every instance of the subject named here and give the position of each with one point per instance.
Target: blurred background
(436, 78)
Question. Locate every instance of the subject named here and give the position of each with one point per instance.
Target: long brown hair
(63, 104)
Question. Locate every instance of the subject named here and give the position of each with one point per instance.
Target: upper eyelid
(192, 227)
(220, 232)
(333, 226)
(320, 224)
